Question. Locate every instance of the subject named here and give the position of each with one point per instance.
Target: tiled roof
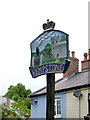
(76, 80)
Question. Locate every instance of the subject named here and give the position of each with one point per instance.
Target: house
(72, 92)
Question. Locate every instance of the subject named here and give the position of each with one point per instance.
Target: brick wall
(73, 67)
(85, 64)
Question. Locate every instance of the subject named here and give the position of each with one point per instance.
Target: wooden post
(50, 96)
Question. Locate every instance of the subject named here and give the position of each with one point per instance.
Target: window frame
(56, 115)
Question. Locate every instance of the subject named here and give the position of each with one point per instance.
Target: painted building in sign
(72, 93)
(58, 47)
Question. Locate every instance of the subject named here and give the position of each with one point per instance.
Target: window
(57, 55)
(57, 108)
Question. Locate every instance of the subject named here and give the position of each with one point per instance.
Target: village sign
(49, 52)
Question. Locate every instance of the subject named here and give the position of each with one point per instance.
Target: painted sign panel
(49, 48)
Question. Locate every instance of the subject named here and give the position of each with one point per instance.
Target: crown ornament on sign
(49, 25)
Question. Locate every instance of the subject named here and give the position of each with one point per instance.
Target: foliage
(63, 38)
(26, 102)
(17, 92)
(21, 97)
(7, 112)
(20, 108)
(47, 54)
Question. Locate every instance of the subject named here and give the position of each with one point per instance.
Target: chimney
(73, 67)
(8, 102)
(85, 64)
(85, 56)
(73, 54)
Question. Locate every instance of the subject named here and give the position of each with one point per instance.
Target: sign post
(49, 55)
(50, 96)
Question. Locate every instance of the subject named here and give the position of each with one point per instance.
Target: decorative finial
(49, 25)
(47, 21)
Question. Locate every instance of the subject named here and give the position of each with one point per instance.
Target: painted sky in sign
(45, 39)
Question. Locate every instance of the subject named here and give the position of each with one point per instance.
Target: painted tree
(63, 38)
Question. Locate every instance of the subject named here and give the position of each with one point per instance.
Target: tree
(17, 92)
(20, 108)
(21, 97)
(26, 102)
(7, 112)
